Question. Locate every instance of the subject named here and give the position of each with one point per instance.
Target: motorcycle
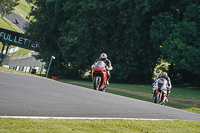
(160, 91)
(99, 76)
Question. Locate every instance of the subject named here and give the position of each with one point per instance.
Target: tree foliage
(134, 34)
(6, 6)
(176, 33)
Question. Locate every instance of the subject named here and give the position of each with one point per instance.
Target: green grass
(20, 53)
(23, 9)
(5, 25)
(97, 126)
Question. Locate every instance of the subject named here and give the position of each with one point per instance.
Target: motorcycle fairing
(98, 69)
(161, 83)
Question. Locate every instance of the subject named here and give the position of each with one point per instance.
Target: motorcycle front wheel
(96, 83)
(157, 98)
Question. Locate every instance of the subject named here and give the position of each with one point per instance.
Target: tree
(136, 35)
(176, 34)
(43, 28)
(79, 31)
(114, 27)
(6, 6)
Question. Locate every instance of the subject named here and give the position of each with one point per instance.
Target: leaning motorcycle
(99, 76)
(160, 91)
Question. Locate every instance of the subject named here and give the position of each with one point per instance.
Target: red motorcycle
(99, 76)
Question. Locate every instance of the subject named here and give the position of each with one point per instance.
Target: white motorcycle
(160, 91)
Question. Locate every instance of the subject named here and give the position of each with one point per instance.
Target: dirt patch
(188, 102)
(132, 92)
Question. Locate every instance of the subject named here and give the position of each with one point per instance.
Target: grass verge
(5, 25)
(23, 9)
(97, 126)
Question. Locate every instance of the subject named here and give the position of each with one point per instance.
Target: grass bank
(97, 126)
(5, 25)
(23, 9)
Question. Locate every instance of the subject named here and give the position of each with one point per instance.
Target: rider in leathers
(164, 75)
(109, 67)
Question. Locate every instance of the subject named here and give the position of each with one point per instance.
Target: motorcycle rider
(109, 67)
(164, 75)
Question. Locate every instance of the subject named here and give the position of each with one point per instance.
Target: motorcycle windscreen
(160, 83)
(100, 64)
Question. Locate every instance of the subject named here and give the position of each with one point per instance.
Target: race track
(11, 17)
(23, 95)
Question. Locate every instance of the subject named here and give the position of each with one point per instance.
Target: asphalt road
(12, 18)
(23, 95)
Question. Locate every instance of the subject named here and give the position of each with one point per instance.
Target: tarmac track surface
(24, 95)
(11, 17)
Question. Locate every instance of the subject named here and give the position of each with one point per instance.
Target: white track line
(88, 118)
